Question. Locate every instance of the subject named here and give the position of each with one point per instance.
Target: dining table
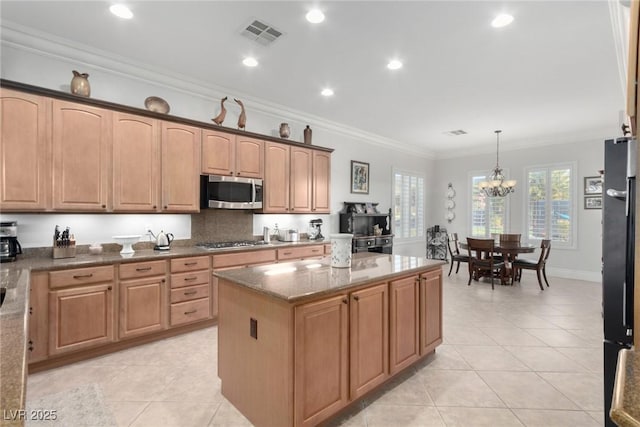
(509, 252)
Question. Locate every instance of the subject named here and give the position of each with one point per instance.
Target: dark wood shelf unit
(361, 226)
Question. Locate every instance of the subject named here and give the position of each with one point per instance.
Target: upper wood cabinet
(276, 178)
(228, 154)
(136, 163)
(180, 167)
(82, 138)
(321, 182)
(25, 130)
(300, 180)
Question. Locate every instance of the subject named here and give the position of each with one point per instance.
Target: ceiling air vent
(456, 132)
(261, 32)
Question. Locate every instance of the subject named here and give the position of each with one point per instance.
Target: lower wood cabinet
(430, 311)
(38, 317)
(190, 285)
(143, 306)
(404, 323)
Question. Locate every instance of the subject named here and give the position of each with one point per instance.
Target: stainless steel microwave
(230, 192)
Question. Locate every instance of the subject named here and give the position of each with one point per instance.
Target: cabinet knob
(104, 206)
(356, 297)
(155, 207)
(344, 301)
(230, 173)
(165, 206)
(109, 288)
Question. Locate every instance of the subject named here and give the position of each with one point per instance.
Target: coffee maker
(314, 229)
(9, 245)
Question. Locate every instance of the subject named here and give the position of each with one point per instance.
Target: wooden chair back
(480, 248)
(510, 238)
(452, 244)
(545, 250)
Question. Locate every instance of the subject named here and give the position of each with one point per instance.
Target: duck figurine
(223, 112)
(242, 120)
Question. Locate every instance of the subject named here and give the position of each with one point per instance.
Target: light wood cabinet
(368, 339)
(180, 167)
(82, 138)
(302, 252)
(321, 182)
(321, 359)
(136, 163)
(38, 317)
(190, 284)
(229, 154)
(300, 177)
(276, 178)
(403, 323)
(25, 144)
(430, 311)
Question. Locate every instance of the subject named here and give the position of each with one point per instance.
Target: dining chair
(454, 252)
(540, 265)
(510, 238)
(482, 261)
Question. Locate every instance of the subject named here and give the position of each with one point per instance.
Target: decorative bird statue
(223, 112)
(242, 120)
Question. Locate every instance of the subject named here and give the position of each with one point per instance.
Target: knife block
(64, 251)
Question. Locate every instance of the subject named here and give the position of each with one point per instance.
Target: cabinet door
(321, 359)
(80, 317)
(404, 323)
(136, 163)
(249, 157)
(180, 168)
(143, 306)
(218, 153)
(430, 311)
(82, 138)
(321, 202)
(25, 151)
(369, 339)
(276, 178)
(38, 316)
(300, 180)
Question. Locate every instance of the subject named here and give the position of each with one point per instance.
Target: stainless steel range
(235, 244)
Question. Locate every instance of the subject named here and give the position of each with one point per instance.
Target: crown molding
(43, 44)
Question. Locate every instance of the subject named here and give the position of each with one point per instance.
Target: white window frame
(507, 207)
(421, 228)
(573, 240)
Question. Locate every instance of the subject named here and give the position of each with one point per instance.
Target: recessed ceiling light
(121, 11)
(250, 62)
(502, 20)
(327, 92)
(315, 16)
(394, 64)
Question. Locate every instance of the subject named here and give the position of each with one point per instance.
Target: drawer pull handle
(143, 268)
(188, 279)
(191, 263)
(315, 250)
(286, 253)
(191, 293)
(82, 276)
(190, 312)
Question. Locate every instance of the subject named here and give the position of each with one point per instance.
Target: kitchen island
(299, 341)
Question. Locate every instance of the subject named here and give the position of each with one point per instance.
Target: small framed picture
(359, 177)
(592, 202)
(592, 185)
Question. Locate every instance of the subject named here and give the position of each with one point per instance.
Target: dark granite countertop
(295, 281)
(625, 406)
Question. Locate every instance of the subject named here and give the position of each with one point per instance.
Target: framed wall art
(592, 185)
(359, 177)
(593, 202)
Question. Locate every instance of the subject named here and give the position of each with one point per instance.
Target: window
(550, 204)
(488, 214)
(408, 205)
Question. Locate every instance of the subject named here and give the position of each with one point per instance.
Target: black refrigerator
(618, 251)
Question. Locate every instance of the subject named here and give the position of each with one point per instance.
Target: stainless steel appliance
(230, 192)
(9, 245)
(315, 232)
(618, 252)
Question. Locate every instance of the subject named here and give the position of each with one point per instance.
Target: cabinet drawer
(189, 264)
(365, 243)
(384, 241)
(143, 269)
(190, 279)
(301, 252)
(327, 248)
(244, 258)
(80, 276)
(189, 293)
(190, 311)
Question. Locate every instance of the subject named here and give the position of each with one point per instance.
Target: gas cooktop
(239, 243)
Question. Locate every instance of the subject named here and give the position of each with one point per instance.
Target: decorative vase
(307, 135)
(80, 84)
(341, 250)
(285, 132)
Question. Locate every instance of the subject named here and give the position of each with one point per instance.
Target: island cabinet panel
(368, 339)
(25, 129)
(430, 311)
(403, 322)
(180, 167)
(143, 306)
(82, 139)
(136, 163)
(38, 316)
(321, 359)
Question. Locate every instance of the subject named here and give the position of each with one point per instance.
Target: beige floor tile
(478, 417)
(528, 321)
(490, 358)
(378, 415)
(65, 378)
(557, 418)
(459, 388)
(138, 383)
(558, 338)
(598, 416)
(512, 336)
(191, 386)
(175, 414)
(126, 412)
(446, 357)
(592, 360)
(545, 359)
(228, 416)
(409, 391)
(526, 390)
(466, 336)
(586, 390)
(354, 417)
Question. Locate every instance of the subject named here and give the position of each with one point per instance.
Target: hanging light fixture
(496, 185)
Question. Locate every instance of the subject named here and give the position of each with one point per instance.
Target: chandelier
(496, 185)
